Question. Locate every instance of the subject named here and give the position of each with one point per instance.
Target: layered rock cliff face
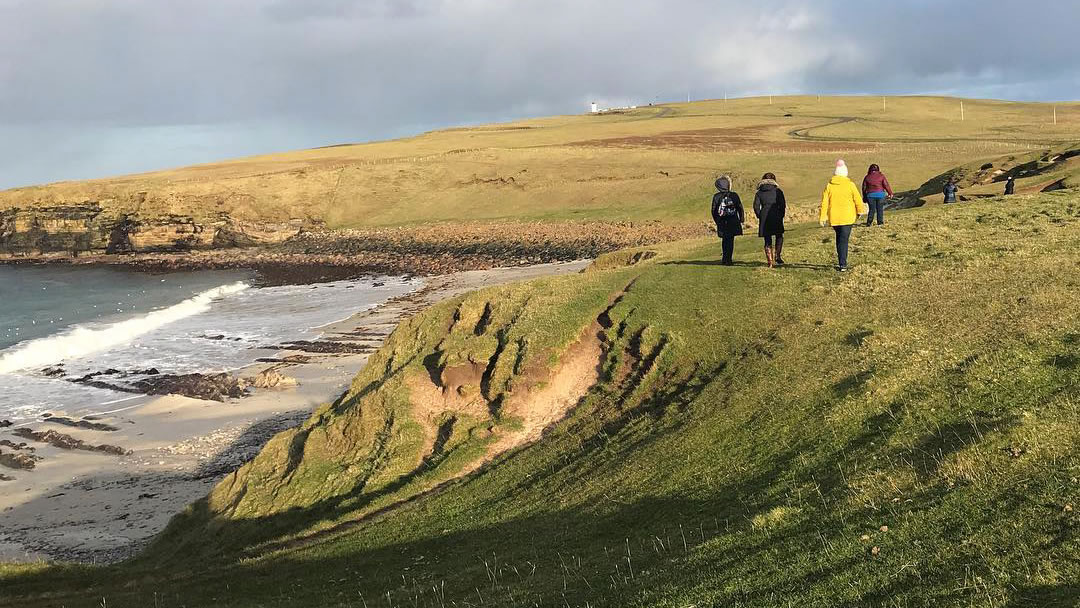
(90, 227)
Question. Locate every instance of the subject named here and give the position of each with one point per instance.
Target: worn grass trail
(902, 435)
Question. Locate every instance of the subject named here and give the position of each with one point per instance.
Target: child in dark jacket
(951, 190)
(727, 212)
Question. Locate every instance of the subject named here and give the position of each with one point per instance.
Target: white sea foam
(232, 333)
(81, 341)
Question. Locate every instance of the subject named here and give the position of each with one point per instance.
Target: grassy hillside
(1056, 168)
(653, 163)
(907, 434)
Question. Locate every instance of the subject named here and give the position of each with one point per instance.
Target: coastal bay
(80, 505)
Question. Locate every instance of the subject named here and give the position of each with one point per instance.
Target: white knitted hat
(841, 168)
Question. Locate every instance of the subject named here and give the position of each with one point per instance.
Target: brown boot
(770, 259)
(779, 260)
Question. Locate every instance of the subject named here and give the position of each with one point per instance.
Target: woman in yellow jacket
(841, 205)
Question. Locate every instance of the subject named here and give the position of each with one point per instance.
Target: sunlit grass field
(652, 163)
(903, 435)
(907, 434)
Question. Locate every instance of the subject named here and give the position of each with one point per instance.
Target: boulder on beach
(212, 387)
(272, 378)
(18, 460)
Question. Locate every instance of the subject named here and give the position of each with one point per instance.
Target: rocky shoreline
(98, 488)
(318, 256)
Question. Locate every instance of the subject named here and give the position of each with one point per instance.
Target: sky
(93, 88)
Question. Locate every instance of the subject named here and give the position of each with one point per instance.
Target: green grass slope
(907, 434)
(1055, 168)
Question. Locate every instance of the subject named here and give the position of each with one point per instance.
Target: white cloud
(367, 69)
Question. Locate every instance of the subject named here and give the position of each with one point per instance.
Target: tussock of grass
(902, 435)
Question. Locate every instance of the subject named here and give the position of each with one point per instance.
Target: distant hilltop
(633, 164)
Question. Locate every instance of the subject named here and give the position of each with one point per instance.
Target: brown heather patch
(762, 138)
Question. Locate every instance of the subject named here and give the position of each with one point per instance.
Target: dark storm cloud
(108, 86)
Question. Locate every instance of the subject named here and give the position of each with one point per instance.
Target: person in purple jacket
(875, 189)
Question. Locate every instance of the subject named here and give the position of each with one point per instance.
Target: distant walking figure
(770, 207)
(1010, 186)
(727, 212)
(841, 204)
(875, 188)
(951, 190)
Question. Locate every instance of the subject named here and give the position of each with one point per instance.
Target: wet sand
(83, 506)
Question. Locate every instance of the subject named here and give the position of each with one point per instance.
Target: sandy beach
(77, 505)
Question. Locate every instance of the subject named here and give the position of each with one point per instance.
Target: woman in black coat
(727, 212)
(770, 207)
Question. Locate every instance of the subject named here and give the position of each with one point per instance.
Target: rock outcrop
(67, 442)
(272, 378)
(18, 460)
(91, 228)
(211, 387)
(298, 252)
(81, 424)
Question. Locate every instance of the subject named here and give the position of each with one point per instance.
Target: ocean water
(94, 319)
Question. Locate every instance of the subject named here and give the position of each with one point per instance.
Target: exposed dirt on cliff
(549, 403)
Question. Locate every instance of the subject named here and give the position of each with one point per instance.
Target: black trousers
(843, 236)
(727, 241)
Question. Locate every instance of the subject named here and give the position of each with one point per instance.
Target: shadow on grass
(649, 551)
(603, 555)
(858, 337)
(853, 383)
(1064, 595)
(746, 264)
(525, 554)
(540, 557)
(481, 538)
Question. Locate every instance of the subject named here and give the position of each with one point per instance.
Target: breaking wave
(80, 341)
